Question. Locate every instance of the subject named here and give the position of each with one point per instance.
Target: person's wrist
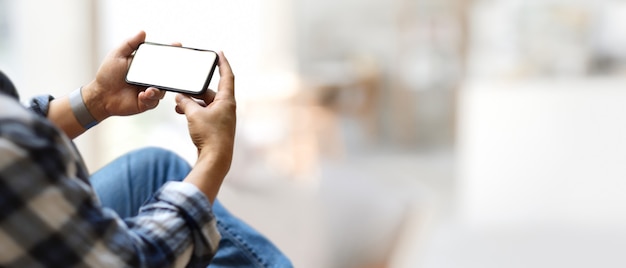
(80, 111)
(216, 161)
(94, 104)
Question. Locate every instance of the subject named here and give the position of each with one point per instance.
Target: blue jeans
(126, 183)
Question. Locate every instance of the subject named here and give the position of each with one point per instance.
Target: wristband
(80, 111)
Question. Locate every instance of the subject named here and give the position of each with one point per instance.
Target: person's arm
(211, 122)
(50, 215)
(108, 94)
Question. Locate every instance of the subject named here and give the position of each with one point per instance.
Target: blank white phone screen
(172, 67)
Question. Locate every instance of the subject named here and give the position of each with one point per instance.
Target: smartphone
(180, 69)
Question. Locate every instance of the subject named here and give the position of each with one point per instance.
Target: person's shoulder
(26, 137)
(15, 127)
(11, 109)
(22, 127)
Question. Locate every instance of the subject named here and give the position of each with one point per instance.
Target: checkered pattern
(50, 216)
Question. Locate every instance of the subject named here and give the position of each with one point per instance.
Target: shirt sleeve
(50, 216)
(40, 104)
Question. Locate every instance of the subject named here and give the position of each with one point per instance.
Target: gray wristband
(80, 110)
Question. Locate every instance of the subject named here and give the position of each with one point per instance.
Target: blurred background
(382, 133)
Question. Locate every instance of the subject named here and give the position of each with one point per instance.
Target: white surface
(537, 247)
(52, 42)
(543, 152)
(540, 177)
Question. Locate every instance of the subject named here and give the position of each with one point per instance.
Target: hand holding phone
(212, 129)
(172, 68)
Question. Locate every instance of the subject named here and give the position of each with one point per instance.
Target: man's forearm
(206, 180)
(60, 113)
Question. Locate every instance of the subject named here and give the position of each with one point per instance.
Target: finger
(151, 93)
(185, 104)
(156, 93)
(149, 105)
(147, 101)
(200, 103)
(131, 44)
(177, 44)
(226, 86)
(208, 96)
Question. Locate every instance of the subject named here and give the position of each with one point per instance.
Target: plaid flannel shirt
(51, 217)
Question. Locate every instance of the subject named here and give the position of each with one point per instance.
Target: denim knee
(158, 156)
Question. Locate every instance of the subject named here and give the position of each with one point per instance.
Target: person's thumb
(131, 44)
(185, 105)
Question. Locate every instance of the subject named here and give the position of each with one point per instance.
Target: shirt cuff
(195, 202)
(40, 104)
(196, 210)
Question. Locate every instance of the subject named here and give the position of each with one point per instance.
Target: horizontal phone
(172, 68)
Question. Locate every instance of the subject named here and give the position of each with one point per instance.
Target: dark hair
(7, 87)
